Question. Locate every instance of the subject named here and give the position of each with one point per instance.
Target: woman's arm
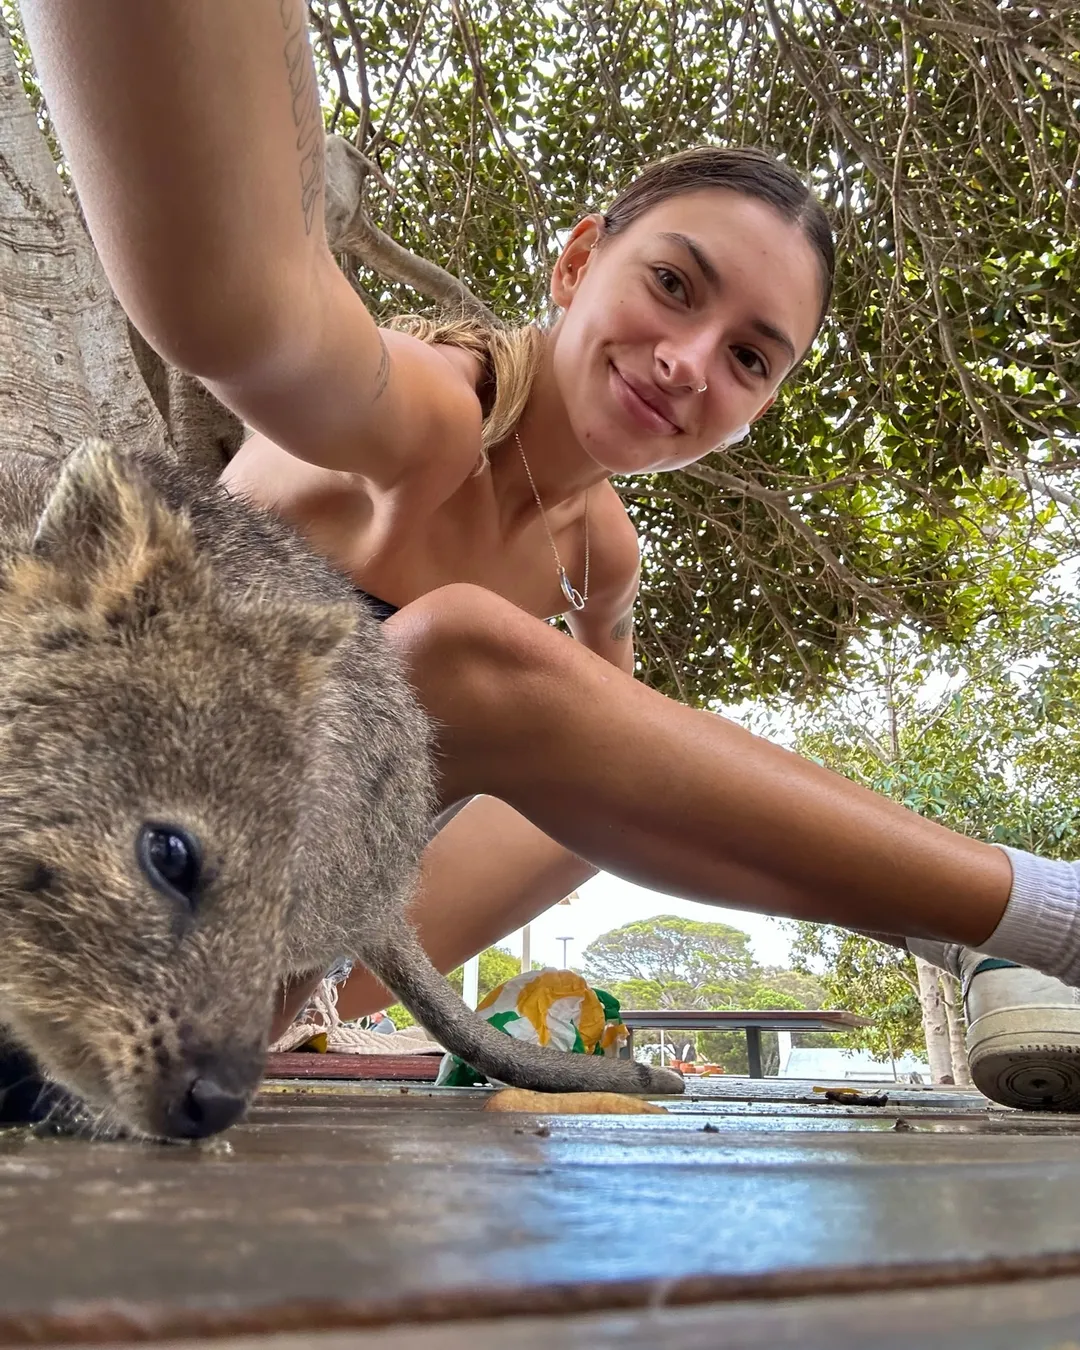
(195, 140)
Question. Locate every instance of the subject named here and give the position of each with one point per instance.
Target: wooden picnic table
(752, 1021)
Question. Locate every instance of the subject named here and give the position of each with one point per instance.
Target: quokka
(212, 774)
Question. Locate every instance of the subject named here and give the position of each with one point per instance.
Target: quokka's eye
(170, 860)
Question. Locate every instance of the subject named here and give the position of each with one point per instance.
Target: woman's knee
(463, 643)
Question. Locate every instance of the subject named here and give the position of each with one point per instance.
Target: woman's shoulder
(607, 506)
(468, 365)
(497, 363)
(463, 345)
(453, 367)
(442, 384)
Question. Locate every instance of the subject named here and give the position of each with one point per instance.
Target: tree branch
(778, 503)
(350, 230)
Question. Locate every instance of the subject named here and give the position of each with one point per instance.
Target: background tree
(671, 962)
(870, 978)
(986, 740)
(670, 951)
(939, 402)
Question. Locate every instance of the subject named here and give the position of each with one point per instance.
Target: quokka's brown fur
(173, 659)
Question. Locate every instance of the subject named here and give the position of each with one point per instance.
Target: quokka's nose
(202, 1108)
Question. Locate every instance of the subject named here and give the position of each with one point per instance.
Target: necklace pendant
(574, 597)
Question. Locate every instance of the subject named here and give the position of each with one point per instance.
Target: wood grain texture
(352, 1208)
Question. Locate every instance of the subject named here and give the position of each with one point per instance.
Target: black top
(382, 609)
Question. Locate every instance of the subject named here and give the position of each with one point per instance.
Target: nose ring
(702, 388)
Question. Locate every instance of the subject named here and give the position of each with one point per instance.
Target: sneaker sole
(1028, 1057)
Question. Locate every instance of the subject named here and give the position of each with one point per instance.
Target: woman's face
(708, 288)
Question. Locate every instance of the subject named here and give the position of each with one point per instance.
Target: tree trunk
(935, 1022)
(950, 990)
(66, 367)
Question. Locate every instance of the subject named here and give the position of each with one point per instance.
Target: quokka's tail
(403, 967)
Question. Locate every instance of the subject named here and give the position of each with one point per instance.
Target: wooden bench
(733, 1019)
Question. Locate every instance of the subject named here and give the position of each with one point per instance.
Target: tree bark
(950, 990)
(66, 367)
(935, 1022)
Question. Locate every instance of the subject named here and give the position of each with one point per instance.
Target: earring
(737, 436)
(702, 388)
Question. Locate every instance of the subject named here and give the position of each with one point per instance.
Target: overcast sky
(606, 903)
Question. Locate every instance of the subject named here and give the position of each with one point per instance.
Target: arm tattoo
(624, 627)
(306, 110)
(383, 373)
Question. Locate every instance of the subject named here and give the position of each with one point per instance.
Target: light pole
(526, 949)
(565, 942)
(470, 982)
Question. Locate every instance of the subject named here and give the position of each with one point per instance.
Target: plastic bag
(547, 1007)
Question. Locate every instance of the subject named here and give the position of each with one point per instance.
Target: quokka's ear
(102, 534)
(299, 641)
(318, 630)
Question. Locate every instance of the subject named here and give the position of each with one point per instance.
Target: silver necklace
(576, 599)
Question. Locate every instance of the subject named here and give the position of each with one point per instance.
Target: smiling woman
(682, 308)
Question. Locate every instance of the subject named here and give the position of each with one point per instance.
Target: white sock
(943, 954)
(1041, 923)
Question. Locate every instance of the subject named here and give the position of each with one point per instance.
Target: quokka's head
(152, 737)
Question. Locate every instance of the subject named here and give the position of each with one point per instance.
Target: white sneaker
(1023, 1036)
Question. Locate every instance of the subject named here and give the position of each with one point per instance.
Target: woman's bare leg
(670, 797)
(673, 798)
(677, 799)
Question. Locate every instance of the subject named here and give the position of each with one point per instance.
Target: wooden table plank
(376, 1207)
(1027, 1315)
